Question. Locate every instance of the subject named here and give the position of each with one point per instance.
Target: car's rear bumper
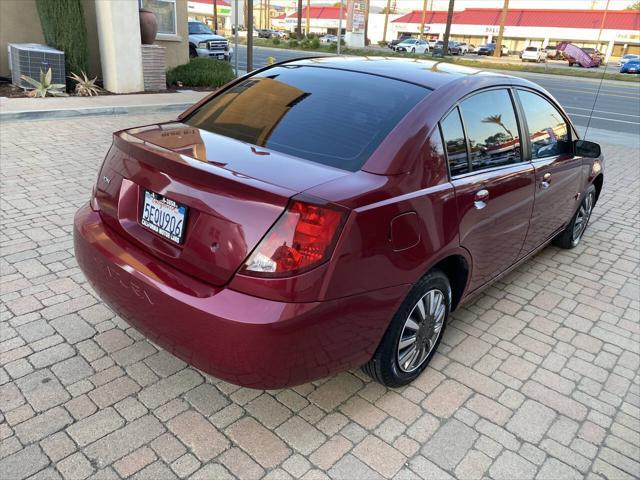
(243, 339)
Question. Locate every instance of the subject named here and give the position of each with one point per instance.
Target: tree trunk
(386, 21)
(249, 36)
(367, 5)
(299, 27)
(503, 18)
(215, 15)
(447, 30)
(424, 16)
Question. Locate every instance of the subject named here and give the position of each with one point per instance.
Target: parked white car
(328, 39)
(412, 45)
(534, 54)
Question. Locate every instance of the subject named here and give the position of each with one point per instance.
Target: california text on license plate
(164, 216)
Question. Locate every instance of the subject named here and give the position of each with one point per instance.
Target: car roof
(432, 74)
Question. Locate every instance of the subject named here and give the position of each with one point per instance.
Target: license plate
(164, 216)
(220, 57)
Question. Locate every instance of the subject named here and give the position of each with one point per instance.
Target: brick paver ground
(537, 378)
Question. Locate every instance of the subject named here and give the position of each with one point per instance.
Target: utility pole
(299, 27)
(447, 30)
(308, 17)
(386, 21)
(503, 18)
(424, 16)
(249, 36)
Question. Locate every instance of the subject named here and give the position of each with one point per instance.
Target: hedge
(201, 72)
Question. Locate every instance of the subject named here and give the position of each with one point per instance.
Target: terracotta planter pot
(148, 26)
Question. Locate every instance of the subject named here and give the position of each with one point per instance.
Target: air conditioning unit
(29, 58)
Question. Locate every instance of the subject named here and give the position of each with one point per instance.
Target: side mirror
(584, 148)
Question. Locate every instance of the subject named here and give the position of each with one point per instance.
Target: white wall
(120, 51)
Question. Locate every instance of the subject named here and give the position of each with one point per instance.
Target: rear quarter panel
(367, 257)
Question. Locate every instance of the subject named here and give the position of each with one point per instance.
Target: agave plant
(44, 87)
(84, 86)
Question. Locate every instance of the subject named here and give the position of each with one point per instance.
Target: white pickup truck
(205, 43)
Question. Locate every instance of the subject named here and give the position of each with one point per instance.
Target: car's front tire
(572, 234)
(193, 53)
(414, 333)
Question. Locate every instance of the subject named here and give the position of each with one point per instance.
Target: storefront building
(202, 11)
(613, 33)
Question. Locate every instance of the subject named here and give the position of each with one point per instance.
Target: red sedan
(325, 214)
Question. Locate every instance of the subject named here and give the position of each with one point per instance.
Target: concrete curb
(92, 111)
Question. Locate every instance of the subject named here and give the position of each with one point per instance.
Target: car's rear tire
(414, 333)
(572, 234)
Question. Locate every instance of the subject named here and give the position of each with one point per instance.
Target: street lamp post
(235, 51)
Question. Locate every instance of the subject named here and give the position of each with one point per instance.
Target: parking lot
(537, 378)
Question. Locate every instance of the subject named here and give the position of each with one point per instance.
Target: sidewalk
(60, 107)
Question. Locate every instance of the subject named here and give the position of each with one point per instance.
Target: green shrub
(333, 47)
(64, 28)
(305, 43)
(293, 43)
(275, 41)
(201, 72)
(382, 43)
(315, 42)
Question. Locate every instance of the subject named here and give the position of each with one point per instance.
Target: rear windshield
(329, 116)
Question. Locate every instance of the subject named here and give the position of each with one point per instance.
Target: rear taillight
(302, 238)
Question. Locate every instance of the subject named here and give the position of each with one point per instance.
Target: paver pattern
(538, 377)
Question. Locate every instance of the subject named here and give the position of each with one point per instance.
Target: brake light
(302, 238)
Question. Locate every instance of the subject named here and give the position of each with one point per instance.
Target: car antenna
(595, 100)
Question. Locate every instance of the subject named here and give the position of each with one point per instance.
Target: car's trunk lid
(233, 191)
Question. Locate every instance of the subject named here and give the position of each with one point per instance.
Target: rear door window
(548, 131)
(453, 135)
(330, 116)
(492, 129)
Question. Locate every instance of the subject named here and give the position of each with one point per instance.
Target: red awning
(614, 20)
(324, 13)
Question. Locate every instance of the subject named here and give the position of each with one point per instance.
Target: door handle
(480, 198)
(546, 180)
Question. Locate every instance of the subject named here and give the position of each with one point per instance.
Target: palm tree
(447, 30)
(503, 18)
(424, 16)
(497, 119)
(386, 20)
(299, 28)
(215, 15)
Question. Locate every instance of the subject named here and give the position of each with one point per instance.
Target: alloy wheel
(421, 331)
(582, 217)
